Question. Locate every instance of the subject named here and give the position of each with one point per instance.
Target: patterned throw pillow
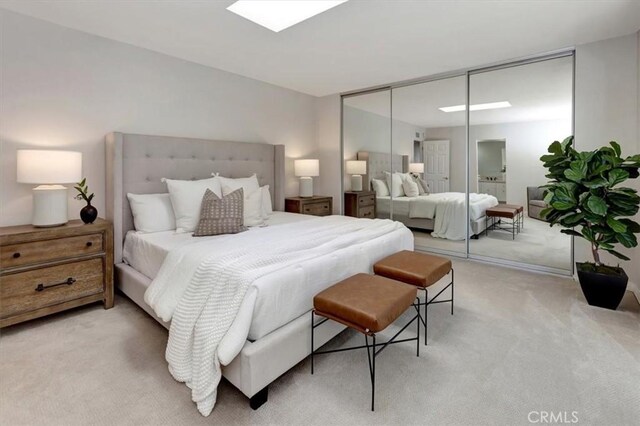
(221, 215)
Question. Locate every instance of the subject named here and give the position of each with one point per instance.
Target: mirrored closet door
(430, 143)
(366, 138)
(515, 114)
(465, 180)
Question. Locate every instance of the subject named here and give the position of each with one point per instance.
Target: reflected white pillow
(152, 212)
(380, 187)
(267, 207)
(252, 210)
(248, 184)
(394, 182)
(410, 188)
(186, 198)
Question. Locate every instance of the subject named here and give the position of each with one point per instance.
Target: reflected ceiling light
(277, 15)
(477, 107)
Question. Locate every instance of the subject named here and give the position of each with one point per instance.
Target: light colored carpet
(518, 342)
(536, 244)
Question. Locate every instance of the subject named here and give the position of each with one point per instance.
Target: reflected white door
(436, 165)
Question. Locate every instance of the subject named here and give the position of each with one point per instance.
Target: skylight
(277, 15)
(477, 107)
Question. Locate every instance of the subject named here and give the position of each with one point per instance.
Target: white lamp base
(49, 206)
(356, 182)
(306, 187)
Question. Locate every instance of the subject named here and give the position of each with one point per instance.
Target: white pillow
(186, 198)
(267, 207)
(394, 182)
(152, 212)
(380, 187)
(252, 209)
(410, 188)
(248, 184)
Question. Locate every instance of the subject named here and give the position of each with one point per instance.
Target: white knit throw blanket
(212, 299)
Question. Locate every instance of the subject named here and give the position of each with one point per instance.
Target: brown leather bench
(520, 213)
(504, 211)
(418, 269)
(368, 304)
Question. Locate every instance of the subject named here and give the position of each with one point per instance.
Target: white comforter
(450, 212)
(200, 288)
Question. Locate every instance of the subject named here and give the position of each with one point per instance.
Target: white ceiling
(355, 45)
(538, 91)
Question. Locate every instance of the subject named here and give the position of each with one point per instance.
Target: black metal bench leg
(312, 332)
(426, 305)
(452, 281)
(372, 367)
(260, 398)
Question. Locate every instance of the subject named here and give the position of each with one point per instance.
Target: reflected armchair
(535, 202)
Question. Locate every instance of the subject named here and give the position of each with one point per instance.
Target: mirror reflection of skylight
(278, 15)
(476, 107)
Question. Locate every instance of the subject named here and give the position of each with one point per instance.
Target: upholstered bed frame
(378, 163)
(136, 164)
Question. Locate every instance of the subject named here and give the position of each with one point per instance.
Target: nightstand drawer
(317, 209)
(48, 250)
(34, 289)
(368, 212)
(367, 200)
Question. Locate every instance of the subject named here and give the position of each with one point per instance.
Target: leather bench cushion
(518, 208)
(415, 268)
(365, 302)
(501, 212)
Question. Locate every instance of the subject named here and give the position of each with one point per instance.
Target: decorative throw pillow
(394, 182)
(221, 215)
(152, 212)
(424, 185)
(186, 198)
(380, 187)
(410, 188)
(267, 207)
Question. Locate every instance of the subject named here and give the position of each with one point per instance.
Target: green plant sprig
(83, 191)
(584, 192)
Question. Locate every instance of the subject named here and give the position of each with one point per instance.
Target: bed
(271, 346)
(443, 213)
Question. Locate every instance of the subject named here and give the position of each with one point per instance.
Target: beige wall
(607, 109)
(65, 89)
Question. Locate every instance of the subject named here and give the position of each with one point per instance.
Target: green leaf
(571, 232)
(588, 234)
(631, 225)
(566, 143)
(627, 239)
(573, 175)
(616, 147)
(556, 148)
(598, 182)
(597, 205)
(618, 254)
(617, 176)
(572, 219)
(563, 205)
(82, 182)
(616, 225)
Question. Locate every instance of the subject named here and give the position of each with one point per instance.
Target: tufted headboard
(137, 163)
(380, 162)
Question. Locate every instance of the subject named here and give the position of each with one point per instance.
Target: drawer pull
(16, 255)
(68, 281)
(89, 243)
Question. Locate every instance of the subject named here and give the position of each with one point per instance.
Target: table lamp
(306, 170)
(356, 168)
(48, 169)
(416, 168)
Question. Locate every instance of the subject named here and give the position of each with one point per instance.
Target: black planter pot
(88, 214)
(604, 290)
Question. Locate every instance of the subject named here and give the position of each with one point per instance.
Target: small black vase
(88, 213)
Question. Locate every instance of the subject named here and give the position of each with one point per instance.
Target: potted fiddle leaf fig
(586, 198)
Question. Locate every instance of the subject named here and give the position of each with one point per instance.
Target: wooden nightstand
(47, 270)
(316, 205)
(360, 204)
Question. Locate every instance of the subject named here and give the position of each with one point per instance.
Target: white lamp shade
(416, 167)
(48, 167)
(356, 167)
(307, 168)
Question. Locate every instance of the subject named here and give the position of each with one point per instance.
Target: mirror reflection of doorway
(436, 156)
(492, 168)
